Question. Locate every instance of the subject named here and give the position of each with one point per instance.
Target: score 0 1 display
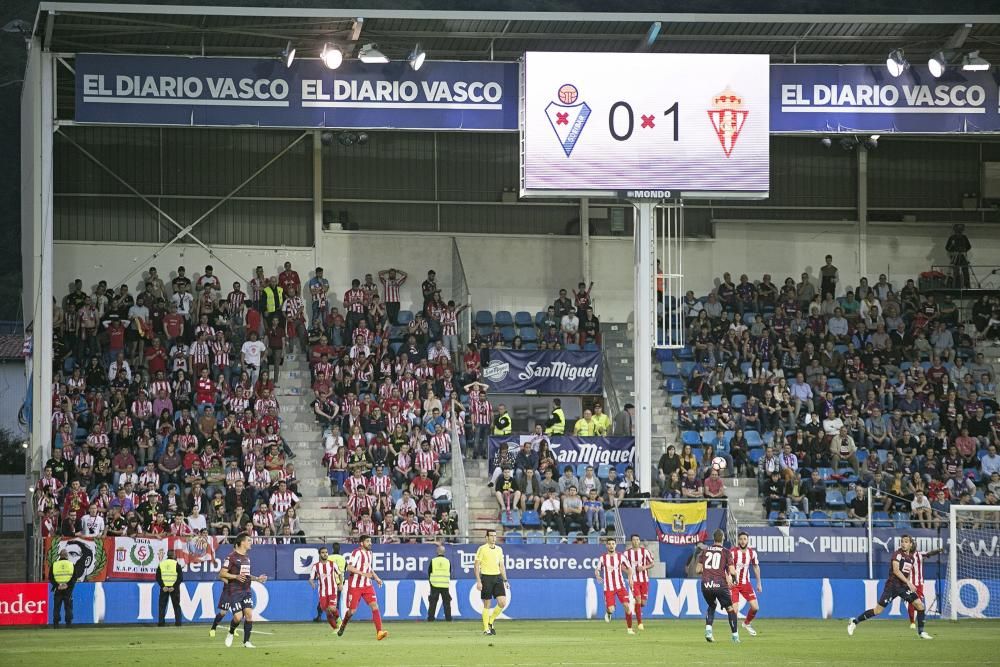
(605, 123)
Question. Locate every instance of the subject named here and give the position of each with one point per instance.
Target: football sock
(638, 612)
(377, 620)
(497, 610)
(750, 615)
(910, 611)
(218, 619)
(247, 627)
(628, 619)
(920, 620)
(331, 618)
(233, 624)
(710, 615)
(486, 619)
(865, 616)
(732, 622)
(347, 619)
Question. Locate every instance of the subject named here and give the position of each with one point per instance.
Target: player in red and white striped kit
(360, 565)
(328, 576)
(640, 560)
(917, 577)
(615, 577)
(743, 557)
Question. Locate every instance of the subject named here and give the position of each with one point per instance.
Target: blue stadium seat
(686, 367)
(819, 518)
(513, 537)
(484, 318)
(572, 536)
(697, 401)
(901, 520)
(883, 455)
(699, 453)
(531, 346)
(670, 368)
(744, 367)
(850, 496)
(609, 518)
(396, 495)
(675, 400)
(772, 517)
(835, 385)
(522, 318)
(881, 520)
(571, 347)
(739, 400)
(590, 347)
(530, 519)
(620, 468)
(664, 355)
(753, 439)
(748, 318)
(581, 469)
(825, 473)
(675, 386)
(862, 454)
(404, 317)
(484, 331)
(798, 519)
(686, 354)
(508, 333)
(716, 400)
(755, 455)
(503, 318)
(838, 518)
(602, 470)
(593, 537)
(395, 347)
(539, 318)
(834, 498)
(708, 438)
(534, 537)
(840, 348)
(528, 335)
(692, 438)
(510, 519)
(727, 437)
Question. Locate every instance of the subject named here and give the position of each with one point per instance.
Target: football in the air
(719, 463)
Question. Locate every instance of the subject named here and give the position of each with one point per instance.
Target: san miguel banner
(262, 92)
(866, 98)
(571, 450)
(680, 523)
(544, 372)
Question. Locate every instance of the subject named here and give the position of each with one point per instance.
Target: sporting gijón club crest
(728, 115)
(567, 117)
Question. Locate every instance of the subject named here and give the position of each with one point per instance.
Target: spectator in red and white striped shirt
(392, 280)
(426, 460)
(482, 417)
(295, 317)
(282, 500)
(263, 517)
(449, 327)
(410, 528)
(441, 443)
(429, 527)
(355, 305)
(359, 501)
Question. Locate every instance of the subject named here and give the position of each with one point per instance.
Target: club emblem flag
(680, 523)
(728, 115)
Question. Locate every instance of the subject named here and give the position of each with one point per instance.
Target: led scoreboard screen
(616, 123)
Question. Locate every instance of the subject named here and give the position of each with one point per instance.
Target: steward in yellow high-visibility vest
(169, 576)
(439, 576)
(63, 575)
(502, 423)
(556, 424)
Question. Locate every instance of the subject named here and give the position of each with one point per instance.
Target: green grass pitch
(523, 643)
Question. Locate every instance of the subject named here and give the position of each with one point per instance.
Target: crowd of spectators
(165, 417)
(825, 389)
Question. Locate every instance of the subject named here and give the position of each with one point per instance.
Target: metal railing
(461, 295)
(459, 484)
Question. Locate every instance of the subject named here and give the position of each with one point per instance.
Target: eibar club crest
(728, 116)
(567, 117)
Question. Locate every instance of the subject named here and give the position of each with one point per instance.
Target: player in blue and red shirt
(236, 597)
(715, 565)
(899, 584)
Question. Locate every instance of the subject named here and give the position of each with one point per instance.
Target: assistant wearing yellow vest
(556, 424)
(439, 577)
(63, 575)
(169, 576)
(502, 422)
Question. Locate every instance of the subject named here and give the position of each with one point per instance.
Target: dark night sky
(12, 59)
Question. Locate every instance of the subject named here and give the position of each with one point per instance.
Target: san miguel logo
(567, 116)
(728, 116)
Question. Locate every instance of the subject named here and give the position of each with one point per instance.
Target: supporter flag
(194, 549)
(137, 557)
(680, 523)
(92, 552)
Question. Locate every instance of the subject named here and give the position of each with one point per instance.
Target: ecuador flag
(680, 523)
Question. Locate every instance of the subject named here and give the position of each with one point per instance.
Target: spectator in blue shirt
(802, 394)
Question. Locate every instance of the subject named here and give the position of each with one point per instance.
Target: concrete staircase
(319, 513)
(12, 556)
(483, 509)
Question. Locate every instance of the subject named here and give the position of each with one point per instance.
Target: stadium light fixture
(937, 64)
(370, 55)
(972, 62)
(826, 142)
(331, 56)
(417, 57)
(872, 141)
(288, 55)
(896, 63)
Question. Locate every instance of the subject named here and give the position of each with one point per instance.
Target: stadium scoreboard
(607, 124)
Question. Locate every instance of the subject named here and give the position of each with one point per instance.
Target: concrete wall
(13, 385)
(525, 272)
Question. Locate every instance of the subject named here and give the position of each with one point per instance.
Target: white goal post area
(973, 585)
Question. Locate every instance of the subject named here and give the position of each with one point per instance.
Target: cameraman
(958, 247)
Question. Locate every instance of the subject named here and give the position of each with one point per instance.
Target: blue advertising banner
(544, 372)
(866, 98)
(571, 450)
(167, 90)
(535, 598)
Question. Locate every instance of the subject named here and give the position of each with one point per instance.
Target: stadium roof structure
(477, 35)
